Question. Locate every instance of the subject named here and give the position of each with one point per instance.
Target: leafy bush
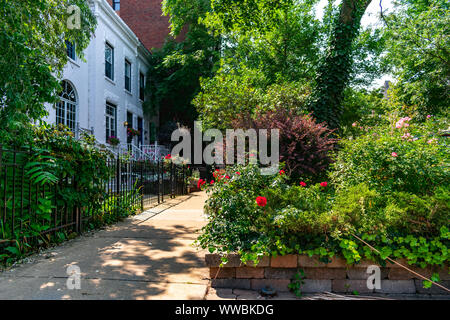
(256, 215)
(403, 156)
(60, 173)
(305, 146)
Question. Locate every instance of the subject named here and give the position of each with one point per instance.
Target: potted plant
(114, 141)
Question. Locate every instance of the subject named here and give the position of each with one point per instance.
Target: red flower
(238, 173)
(261, 201)
(281, 171)
(200, 183)
(303, 184)
(212, 182)
(169, 156)
(323, 184)
(227, 177)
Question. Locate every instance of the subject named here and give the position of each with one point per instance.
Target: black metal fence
(31, 212)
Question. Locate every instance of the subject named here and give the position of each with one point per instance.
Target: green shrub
(319, 220)
(413, 158)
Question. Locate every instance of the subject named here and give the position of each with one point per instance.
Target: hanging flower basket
(133, 132)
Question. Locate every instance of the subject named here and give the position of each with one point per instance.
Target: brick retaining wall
(336, 276)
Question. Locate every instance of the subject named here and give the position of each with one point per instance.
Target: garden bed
(336, 276)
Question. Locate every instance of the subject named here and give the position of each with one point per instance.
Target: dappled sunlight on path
(149, 256)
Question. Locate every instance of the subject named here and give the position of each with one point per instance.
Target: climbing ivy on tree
(335, 70)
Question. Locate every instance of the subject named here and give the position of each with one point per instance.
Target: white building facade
(105, 93)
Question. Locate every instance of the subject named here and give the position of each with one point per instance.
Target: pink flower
(406, 136)
(323, 184)
(303, 184)
(403, 122)
(394, 154)
(354, 124)
(429, 116)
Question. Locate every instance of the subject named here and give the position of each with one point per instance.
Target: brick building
(145, 18)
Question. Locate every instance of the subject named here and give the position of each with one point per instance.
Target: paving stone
(337, 262)
(397, 286)
(403, 262)
(264, 261)
(348, 286)
(247, 294)
(231, 283)
(220, 294)
(214, 260)
(311, 262)
(221, 273)
(361, 273)
(434, 289)
(280, 273)
(249, 273)
(325, 273)
(287, 261)
(276, 284)
(403, 274)
(316, 285)
(444, 273)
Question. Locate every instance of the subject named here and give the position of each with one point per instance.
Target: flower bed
(387, 189)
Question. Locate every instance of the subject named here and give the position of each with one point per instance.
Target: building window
(70, 47)
(109, 61)
(127, 75)
(111, 123)
(66, 108)
(141, 86)
(116, 5)
(129, 126)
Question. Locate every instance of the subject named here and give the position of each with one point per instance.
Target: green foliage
(297, 282)
(59, 173)
(175, 69)
(411, 159)
(418, 43)
(228, 97)
(318, 220)
(32, 57)
(335, 70)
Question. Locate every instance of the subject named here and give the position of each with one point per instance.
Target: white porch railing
(153, 152)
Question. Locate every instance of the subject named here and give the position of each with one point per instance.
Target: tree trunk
(334, 71)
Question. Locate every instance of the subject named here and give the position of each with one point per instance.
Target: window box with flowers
(113, 141)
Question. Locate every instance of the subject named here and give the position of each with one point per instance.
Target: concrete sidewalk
(149, 256)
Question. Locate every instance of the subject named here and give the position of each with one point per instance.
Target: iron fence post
(142, 185)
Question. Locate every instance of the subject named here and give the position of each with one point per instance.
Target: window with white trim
(109, 61)
(111, 123)
(66, 108)
(127, 75)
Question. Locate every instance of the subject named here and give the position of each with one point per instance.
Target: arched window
(67, 106)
